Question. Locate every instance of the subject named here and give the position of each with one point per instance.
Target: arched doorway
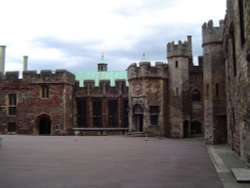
(196, 129)
(44, 125)
(185, 129)
(138, 117)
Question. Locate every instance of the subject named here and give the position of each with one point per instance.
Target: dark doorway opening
(138, 117)
(139, 122)
(44, 125)
(186, 129)
(196, 129)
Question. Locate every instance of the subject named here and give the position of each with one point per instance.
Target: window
(233, 50)
(242, 25)
(97, 113)
(176, 64)
(45, 91)
(125, 113)
(81, 113)
(12, 104)
(11, 127)
(196, 95)
(113, 113)
(177, 91)
(154, 115)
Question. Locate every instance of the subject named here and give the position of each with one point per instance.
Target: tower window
(45, 91)
(154, 115)
(196, 95)
(242, 25)
(177, 91)
(176, 64)
(11, 127)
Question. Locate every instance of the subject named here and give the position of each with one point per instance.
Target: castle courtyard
(104, 161)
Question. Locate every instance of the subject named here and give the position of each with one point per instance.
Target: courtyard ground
(105, 161)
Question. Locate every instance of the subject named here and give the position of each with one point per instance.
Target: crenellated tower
(214, 82)
(179, 60)
(147, 97)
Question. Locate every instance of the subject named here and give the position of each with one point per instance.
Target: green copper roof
(97, 76)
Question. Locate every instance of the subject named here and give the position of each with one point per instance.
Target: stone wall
(237, 53)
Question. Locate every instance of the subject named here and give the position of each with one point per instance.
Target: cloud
(72, 34)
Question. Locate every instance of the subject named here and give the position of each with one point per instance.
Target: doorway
(44, 125)
(186, 129)
(138, 117)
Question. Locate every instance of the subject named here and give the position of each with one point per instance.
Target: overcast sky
(72, 34)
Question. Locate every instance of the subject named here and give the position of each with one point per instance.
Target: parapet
(212, 34)
(182, 49)
(13, 75)
(47, 76)
(145, 69)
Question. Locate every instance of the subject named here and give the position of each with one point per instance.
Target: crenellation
(182, 49)
(12, 75)
(212, 34)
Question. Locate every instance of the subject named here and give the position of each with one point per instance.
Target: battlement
(46, 76)
(212, 34)
(182, 49)
(145, 69)
(104, 87)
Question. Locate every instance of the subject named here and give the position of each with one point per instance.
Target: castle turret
(214, 82)
(102, 65)
(179, 60)
(2, 59)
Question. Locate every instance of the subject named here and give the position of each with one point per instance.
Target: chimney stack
(25, 63)
(2, 59)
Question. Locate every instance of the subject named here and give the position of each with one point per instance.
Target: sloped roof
(97, 76)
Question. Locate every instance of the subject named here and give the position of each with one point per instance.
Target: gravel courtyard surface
(104, 161)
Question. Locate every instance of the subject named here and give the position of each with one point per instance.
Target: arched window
(196, 95)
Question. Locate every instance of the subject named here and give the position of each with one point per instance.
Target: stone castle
(174, 99)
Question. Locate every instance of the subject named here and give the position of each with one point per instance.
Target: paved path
(104, 161)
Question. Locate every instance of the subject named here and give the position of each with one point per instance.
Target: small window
(45, 91)
(154, 115)
(196, 95)
(177, 91)
(12, 104)
(176, 64)
(242, 24)
(11, 127)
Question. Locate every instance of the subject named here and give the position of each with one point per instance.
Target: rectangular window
(81, 113)
(242, 25)
(207, 90)
(176, 64)
(113, 111)
(177, 91)
(97, 113)
(233, 50)
(154, 115)
(125, 113)
(45, 91)
(12, 104)
(11, 127)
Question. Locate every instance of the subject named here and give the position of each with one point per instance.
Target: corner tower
(214, 83)
(179, 59)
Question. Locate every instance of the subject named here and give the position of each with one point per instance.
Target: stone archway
(44, 125)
